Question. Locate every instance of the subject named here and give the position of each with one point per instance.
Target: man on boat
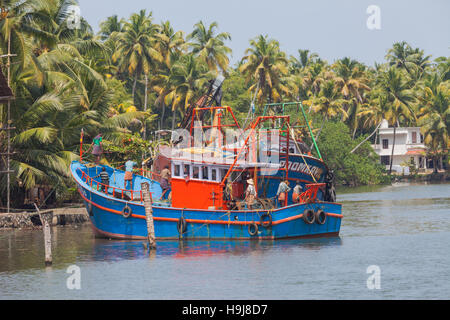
(97, 147)
(250, 194)
(129, 173)
(282, 192)
(104, 177)
(296, 193)
(228, 194)
(164, 182)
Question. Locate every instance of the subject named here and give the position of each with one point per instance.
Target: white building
(409, 148)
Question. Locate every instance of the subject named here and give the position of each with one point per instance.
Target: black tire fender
(126, 211)
(309, 216)
(253, 229)
(266, 223)
(181, 225)
(320, 216)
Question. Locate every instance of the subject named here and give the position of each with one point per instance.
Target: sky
(333, 29)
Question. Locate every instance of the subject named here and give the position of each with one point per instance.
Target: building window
(414, 137)
(420, 162)
(385, 143)
(385, 160)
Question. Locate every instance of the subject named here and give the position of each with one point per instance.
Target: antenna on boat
(251, 110)
(213, 96)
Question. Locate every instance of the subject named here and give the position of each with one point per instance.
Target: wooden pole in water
(46, 218)
(147, 199)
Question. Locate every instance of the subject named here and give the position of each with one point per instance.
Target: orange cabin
(197, 185)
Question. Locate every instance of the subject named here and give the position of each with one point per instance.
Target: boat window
(214, 174)
(205, 175)
(187, 170)
(223, 173)
(177, 170)
(196, 172)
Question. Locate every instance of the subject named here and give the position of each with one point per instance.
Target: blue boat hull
(298, 171)
(107, 219)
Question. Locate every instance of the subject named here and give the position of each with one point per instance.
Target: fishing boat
(208, 182)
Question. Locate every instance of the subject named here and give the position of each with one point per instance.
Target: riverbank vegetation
(137, 75)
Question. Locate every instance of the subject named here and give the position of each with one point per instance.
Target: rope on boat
(204, 224)
(252, 104)
(301, 153)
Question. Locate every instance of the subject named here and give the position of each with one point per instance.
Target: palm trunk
(173, 119)
(392, 153)
(145, 107)
(325, 118)
(134, 89)
(162, 113)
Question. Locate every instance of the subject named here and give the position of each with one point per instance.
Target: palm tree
(17, 23)
(210, 47)
(399, 98)
(352, 81)
(170, 45)
(57, 96)
(188, 78)
(110, 25)
(135, 52)
(329, 103)
(443, 68)
(434, 116)
(266, 65)
(401, 56)
(313, 77)
(373, 113)
(169, 42)
(305, 59)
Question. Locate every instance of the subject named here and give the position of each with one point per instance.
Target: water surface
(404, 229)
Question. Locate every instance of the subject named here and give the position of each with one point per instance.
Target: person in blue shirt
(129, 173)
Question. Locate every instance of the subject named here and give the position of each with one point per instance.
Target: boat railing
(116, 191)
(310, 195)
(153, 174)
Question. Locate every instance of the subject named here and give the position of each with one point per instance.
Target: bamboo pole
(46, 218)
(147, 198)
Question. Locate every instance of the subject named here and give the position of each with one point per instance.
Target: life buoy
(308, 216)
(181, 225)
(266, 223)
(126, 211)
(253, 229)
(320, 216)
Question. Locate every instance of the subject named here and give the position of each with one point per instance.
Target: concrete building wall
(407, 140)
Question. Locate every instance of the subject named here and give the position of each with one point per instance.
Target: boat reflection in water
(116, 250)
